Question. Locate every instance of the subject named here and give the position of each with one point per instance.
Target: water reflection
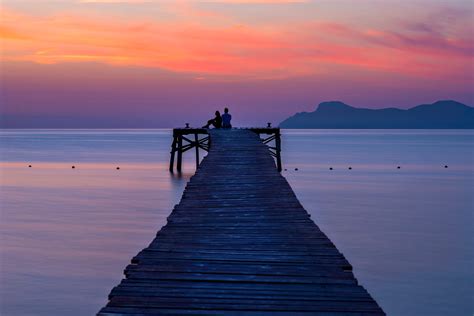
(67, 234)
(408, 231)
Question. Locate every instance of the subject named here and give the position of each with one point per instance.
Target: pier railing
(187, 138)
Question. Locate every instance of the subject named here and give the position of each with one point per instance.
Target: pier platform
(239, 243)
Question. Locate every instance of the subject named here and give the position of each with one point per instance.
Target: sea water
(68, 233)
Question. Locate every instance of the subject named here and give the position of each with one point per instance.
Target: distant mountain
(441, 114)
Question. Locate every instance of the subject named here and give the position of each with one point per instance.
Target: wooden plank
(113, 311)
(326, 293)
(256, 305)
(282, 289)
(248, 269)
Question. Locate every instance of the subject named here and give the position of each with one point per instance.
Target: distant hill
(441, 114)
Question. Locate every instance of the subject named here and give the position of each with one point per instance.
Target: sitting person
(226, 117)
(216, 122)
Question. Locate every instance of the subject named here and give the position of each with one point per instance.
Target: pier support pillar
(278, 150)
(196, 142)
(271, 134)
(173, 152)
(181, 143)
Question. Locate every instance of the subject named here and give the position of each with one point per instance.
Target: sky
(149, 63)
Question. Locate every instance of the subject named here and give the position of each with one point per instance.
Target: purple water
(67, 234)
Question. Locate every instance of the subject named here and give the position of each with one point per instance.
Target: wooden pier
(239, 243)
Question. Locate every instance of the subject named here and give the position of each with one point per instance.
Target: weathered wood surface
(239, 243)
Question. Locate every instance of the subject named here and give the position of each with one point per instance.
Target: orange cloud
(10, 33)
(116, 1)
(197, 1)
(226, 48)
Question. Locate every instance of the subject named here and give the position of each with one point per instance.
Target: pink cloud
(221, 46)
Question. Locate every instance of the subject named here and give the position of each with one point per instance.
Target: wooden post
(183, 141)
(278, 150)
(173, 151)
(180, 153)
(196, 139)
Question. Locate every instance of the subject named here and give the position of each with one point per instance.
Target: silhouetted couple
(220, 121)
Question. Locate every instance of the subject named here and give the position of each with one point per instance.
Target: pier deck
(239, 243)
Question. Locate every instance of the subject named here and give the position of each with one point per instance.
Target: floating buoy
(296, 169)
(398, 167)
(286, 169)
(29, 166)
(73, 167)
(330, 168)
(446, 166)
(350, 168)
(118, 168)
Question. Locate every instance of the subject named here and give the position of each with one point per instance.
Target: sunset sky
(139, 63)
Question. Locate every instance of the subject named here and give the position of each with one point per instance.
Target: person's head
(218, 113)
(226, 110)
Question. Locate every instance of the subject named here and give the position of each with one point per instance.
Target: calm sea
(67, 234)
